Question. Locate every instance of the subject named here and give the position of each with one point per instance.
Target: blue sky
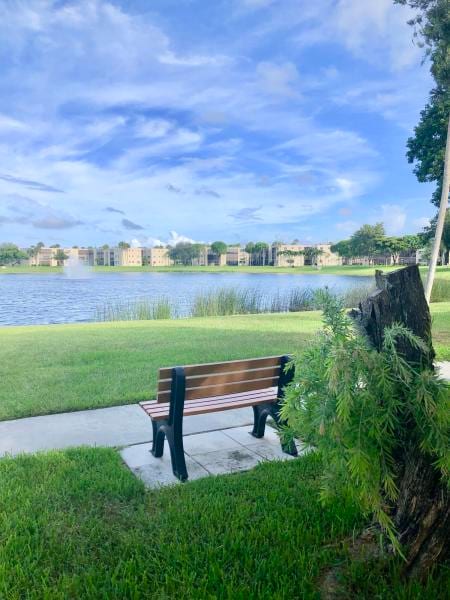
(228, 119)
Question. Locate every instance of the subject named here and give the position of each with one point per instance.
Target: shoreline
(352, 270)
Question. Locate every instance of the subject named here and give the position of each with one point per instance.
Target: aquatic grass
(136, 310)
(226, 301)
(353, 296)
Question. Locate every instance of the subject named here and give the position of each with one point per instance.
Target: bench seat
(160, 410)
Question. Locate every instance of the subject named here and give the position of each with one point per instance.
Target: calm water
(56, 298)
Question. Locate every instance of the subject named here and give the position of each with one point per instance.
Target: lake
(57, 298)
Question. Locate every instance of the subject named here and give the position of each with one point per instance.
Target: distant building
(85, 256)
(327, 258)
(118, 257)
(218, 260)
(237, 257)
(287, 255)
(157, 256)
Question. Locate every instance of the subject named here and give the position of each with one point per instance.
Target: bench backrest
(231, 377)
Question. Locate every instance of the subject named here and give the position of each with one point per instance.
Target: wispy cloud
(32, 185)
(247, 214)
(56, 223)
(111, 209)
(127, 224)
(205, 191)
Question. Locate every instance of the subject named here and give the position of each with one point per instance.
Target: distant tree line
(371, 241)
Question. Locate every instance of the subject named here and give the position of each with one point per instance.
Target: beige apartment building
(157, 256)
(327, 258)
(279, 255)
(118, 257)
(237, 257)
(287, 255)
(45, 257)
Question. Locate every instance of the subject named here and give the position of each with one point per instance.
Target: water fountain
(74, 268)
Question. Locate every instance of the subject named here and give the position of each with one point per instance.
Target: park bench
(214, 387)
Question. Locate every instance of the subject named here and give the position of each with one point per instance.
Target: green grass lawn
(441, 272)
(56, 368)
(77, 524)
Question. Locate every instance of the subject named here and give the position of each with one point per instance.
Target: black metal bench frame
(172, 427)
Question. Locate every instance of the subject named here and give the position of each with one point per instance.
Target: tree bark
(422, 512)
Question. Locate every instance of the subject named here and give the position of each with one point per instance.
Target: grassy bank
(442, 272)
(85, 528)
(47, 369)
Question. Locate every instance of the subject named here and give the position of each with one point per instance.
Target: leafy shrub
(358, 407)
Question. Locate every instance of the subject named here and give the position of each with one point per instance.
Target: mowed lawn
(78, 524)
(48, 369)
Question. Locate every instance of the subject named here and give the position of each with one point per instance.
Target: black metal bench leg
(289, 448)
(158, 439)
(260, 413)
(175, 439)
(174, 430)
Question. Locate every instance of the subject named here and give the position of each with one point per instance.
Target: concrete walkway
(114, 427)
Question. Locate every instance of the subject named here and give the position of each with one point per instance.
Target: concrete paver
(212, 453)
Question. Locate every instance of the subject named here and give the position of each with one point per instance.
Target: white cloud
(279, 79)
(173, 239)
(394, 218)
(170, 58)
(153, 128)
(10, 124)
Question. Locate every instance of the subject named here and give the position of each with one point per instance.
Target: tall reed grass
(226, 301)
(136, 310)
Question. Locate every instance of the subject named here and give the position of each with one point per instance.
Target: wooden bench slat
(222, 378)
(222, 389)
(213, 407)
(268, 395)
(223, 367)
(243, 394)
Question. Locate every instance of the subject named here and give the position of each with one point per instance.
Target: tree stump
(422, 512)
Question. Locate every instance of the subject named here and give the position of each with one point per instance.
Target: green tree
(291, 254)
(219, 248)
(392, 246)
(123, 245)
(366, 240)
(60, 256)
(311, 254)
(429, 232)
(10, 254)
(426, 148)
(185, 252)
(250, 249)
(343, 248)
(260, 251)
